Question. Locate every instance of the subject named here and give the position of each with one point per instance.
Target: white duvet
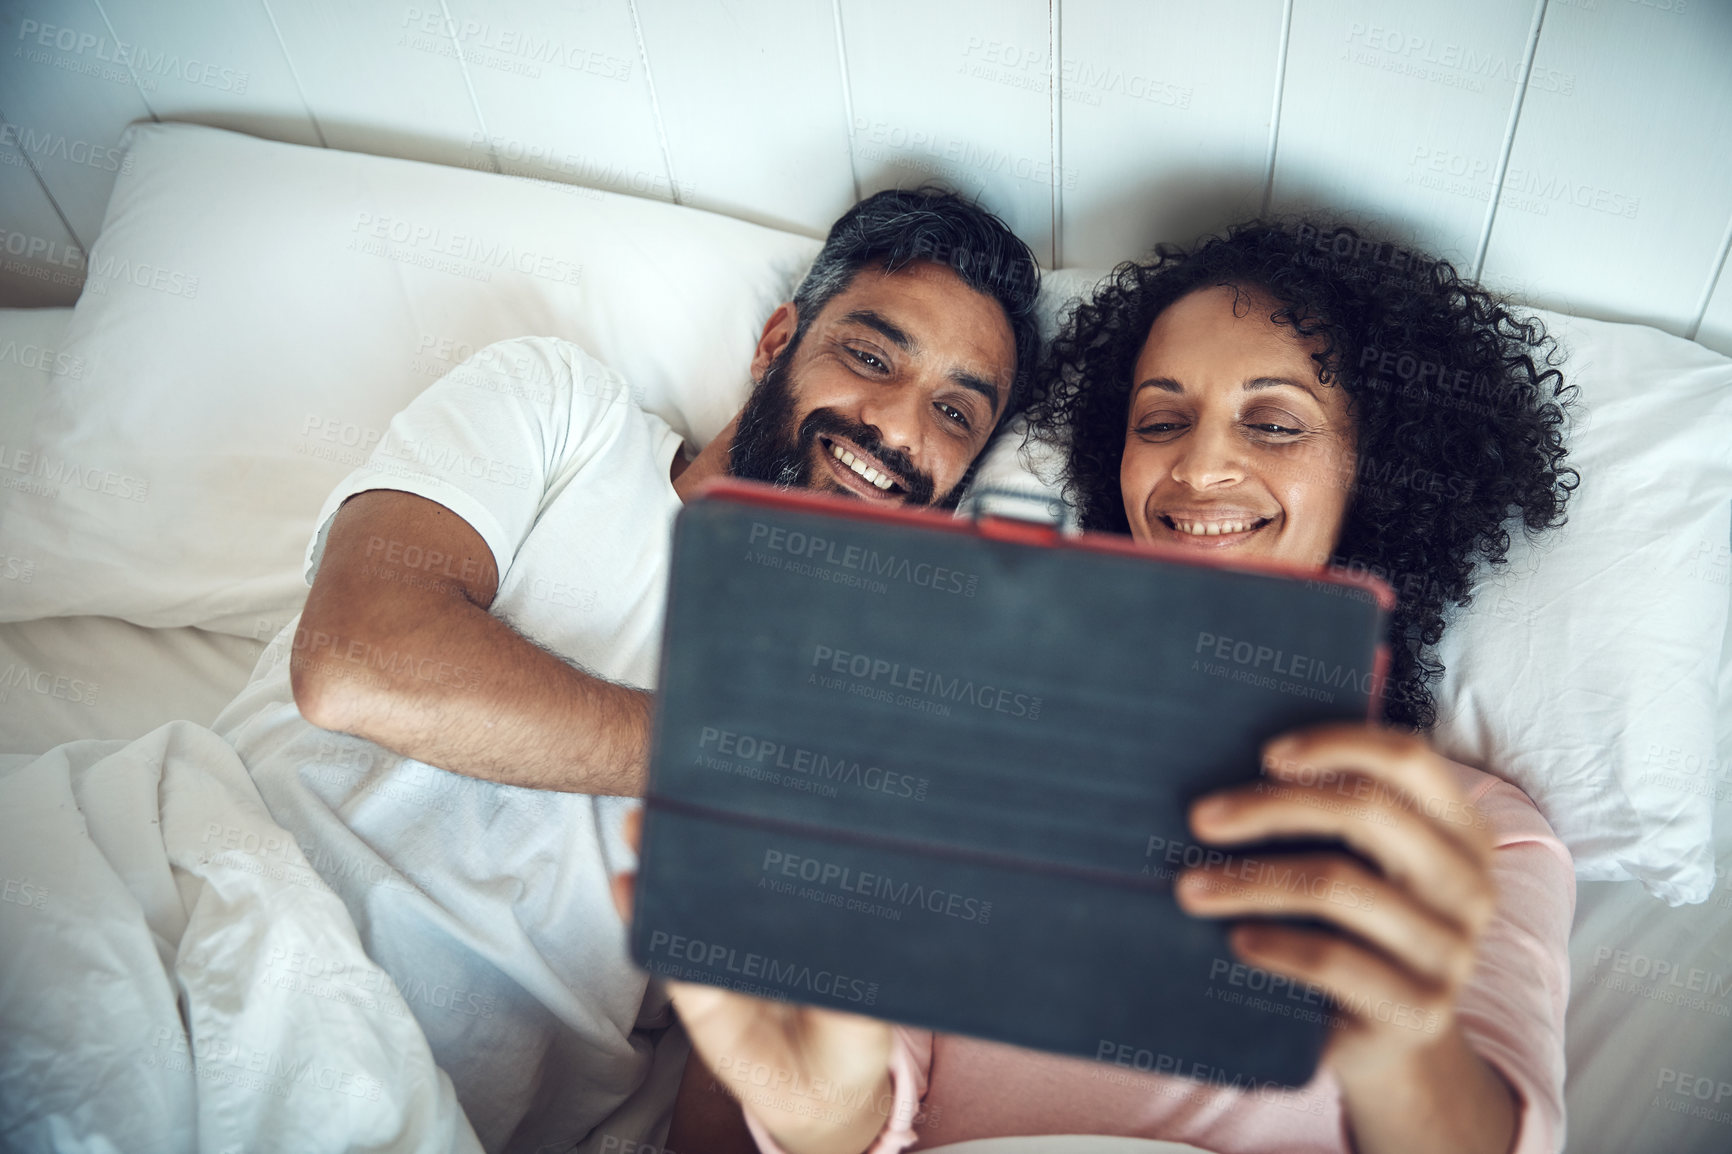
(173, 975)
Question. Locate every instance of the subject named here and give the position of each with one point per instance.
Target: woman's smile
(1208, 528)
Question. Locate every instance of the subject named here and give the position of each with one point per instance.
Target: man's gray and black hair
(893, 229)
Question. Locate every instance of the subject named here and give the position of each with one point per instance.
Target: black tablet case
(938, 772)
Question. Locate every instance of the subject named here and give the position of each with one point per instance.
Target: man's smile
(858, 471)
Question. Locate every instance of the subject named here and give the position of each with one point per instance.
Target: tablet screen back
(916, 771)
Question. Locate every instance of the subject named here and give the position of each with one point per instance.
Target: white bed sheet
(71, 678)
(1649, 1038)
(1649, 1032)
(178, 978)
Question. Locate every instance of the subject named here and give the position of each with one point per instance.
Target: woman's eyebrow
(1272, 382)
(1165, 384)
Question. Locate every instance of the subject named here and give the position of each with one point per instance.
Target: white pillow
(1585, 670)
(255, 314)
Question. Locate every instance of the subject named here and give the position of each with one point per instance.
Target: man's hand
(800, 1044)
(396, 645)
(1406, 927)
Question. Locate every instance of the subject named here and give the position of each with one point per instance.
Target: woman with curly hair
(1314, 398)
(1455, 413)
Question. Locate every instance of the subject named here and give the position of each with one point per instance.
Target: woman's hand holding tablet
(1400, 935)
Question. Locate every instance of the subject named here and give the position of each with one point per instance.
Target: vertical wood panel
(1396, 113)
(1618, 194)
(751, 99)
(381, 78)
(1167, 134)
(562, 90)
(212, 62)
(956, 93)
(40, 262)
(66, 88)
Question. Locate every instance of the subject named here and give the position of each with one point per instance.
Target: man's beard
(767, 447)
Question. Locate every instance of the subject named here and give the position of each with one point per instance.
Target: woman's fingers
(1375, 995)
(1334, 888)
(1410, 849)
(1383, 793)
(1402, 763)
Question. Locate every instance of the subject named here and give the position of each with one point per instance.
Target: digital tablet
(937, 771)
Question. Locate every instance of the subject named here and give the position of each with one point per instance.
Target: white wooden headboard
(1576, 153)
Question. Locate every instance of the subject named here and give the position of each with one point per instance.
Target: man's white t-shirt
(489, 905)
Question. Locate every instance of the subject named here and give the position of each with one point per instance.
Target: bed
(169, 440)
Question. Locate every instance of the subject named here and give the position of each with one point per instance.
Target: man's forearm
(462, 690)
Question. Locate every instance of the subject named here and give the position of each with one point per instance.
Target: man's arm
(396, 645)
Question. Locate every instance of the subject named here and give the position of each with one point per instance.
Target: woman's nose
(1209, 457)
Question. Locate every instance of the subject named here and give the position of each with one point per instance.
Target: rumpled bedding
(175, 977)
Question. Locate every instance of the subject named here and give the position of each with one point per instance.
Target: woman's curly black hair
(1457, 403)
